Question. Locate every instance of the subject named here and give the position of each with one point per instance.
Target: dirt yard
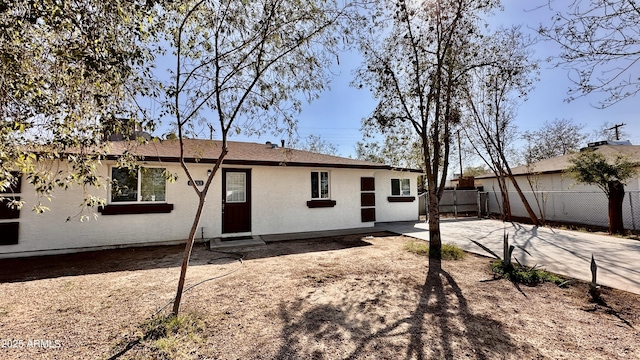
(335, 298)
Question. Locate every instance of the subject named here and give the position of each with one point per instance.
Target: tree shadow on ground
(599, 304)
(313, 245)
(440, 326)
(158, 257)
(90, 262)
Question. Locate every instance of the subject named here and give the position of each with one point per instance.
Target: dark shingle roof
(240, 153)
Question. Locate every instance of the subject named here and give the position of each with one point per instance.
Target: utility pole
(210, 131)
(615, 127)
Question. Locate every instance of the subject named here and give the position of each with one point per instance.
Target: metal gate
(459, 202)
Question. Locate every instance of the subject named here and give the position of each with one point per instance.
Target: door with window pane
(236, 200)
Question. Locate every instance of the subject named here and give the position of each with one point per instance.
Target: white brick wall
(279, 205)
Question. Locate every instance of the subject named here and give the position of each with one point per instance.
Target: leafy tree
(593, 168)
(371, 151)
(556, 138)
(316, 144)
(491, 96)
(70, 72)
(416, 55)
(475, 170)
(242, 66)
(401, 147)
(600, 46)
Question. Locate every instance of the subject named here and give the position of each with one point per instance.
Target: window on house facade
(143, 185)
(236, 187)
(400, 187)
(320, 185)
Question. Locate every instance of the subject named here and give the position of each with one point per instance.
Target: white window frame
(319, 172)
(139, 188)
(400, 184)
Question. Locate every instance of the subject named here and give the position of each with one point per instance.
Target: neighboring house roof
(240, 153)
(560, 163)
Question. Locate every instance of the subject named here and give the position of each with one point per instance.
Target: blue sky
(336, 115)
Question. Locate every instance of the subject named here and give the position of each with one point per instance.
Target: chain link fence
(589, 208)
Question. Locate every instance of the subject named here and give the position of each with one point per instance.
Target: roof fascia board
(493, 176)
(270, 163)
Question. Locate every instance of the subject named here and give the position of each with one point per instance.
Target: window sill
(401, 198)
(321, 203)
(122, 209)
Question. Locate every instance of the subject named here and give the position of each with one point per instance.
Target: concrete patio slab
(563, 252)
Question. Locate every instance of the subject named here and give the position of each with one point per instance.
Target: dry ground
(335, 298)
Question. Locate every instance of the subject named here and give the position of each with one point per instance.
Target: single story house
(261, 189)
(561, 198)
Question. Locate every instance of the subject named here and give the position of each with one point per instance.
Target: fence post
(486, 207)
(633, 218)
(455, 205)
(426, 207)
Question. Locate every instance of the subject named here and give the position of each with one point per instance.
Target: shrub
(517, 273)
(524, 275)
(449, 251)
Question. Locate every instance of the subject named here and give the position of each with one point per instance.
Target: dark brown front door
(236, 200)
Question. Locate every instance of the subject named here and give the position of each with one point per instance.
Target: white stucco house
(561, 198)
(261, 189)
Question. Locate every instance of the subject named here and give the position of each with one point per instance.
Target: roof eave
(191, 160)
(493, 176)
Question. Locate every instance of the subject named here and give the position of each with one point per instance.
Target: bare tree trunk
(435, 241)
(202, 197)
(525, 202)
(187, 254)
(616, 197)
(506, 203)
(535, 194)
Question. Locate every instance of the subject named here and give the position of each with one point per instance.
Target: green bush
(523, 274)
(517, 273)
(449, 251)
